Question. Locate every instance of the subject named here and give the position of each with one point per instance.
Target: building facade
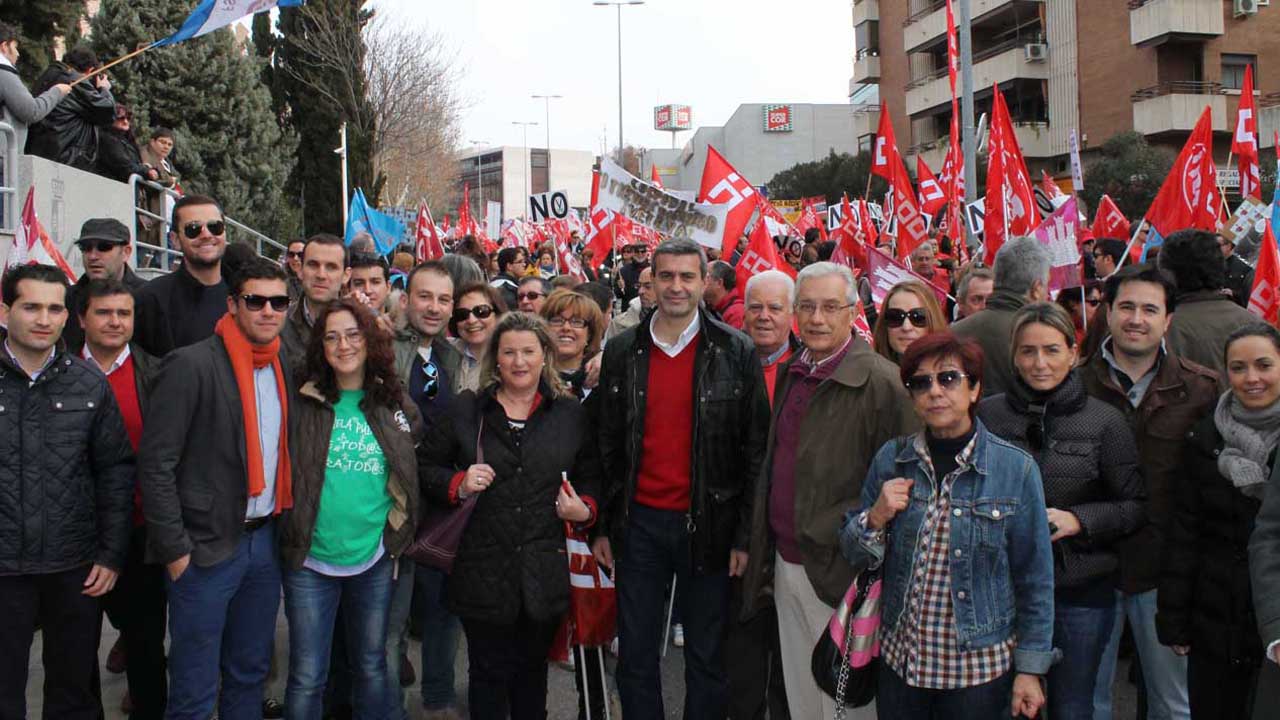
(509, 174)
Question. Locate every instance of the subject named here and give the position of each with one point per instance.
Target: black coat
(66, 470)
(730, 433)
(1205, 598)
(512, 556)
(176, 310)
(1089, 464)
(118, 156)
(72, 333)
(69, 133)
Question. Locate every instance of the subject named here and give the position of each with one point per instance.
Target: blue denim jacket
(1001, 560)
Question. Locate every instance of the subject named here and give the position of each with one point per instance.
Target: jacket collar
(855, 368)
(1202, 296)
(1006, 300)
(909, 453)
(1066, 398)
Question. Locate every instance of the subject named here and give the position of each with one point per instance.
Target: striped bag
(847, 655)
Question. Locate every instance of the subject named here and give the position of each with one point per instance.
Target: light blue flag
(1154, 239)
(210, 15)
(387, 231)
(1275, 212)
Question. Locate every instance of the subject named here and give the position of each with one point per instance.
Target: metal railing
(1177, 87)
(9, 179)
(929, 9)
(979, 56)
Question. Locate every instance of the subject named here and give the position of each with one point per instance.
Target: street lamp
(524, 161)
(547, 102)
(618, 4)
(476, 145)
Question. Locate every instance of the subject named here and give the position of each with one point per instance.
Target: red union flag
(761, 255)
(1189, 196)
(932, 198)
(1245, 141)
(721, 184)
(654, 177)
(953, 49)
(849, 237)
(1010, 205)
(1108, 221)
(887, 163)
(1264, 301)
(427, 237)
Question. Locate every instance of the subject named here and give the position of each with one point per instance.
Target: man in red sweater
(683, 418)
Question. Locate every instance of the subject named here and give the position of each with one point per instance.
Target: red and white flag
(722, 185)
(932, 196)
(869, 231)
(466, 226)
(860, 324)
(32, 245)
(1108, 221)
(1189, 196)
(851, 241)
(883, 272)
(886, 162)
(427, 236)
(809, 218)
(1264, 300)
(654, 177)
(761, 255)
(1245, 141)
(1050, 186)
(774, 220)
(568, 262)
(1010, 204)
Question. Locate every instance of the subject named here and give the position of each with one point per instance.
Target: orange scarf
(246, 357)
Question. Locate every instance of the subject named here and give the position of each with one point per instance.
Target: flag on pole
(1245, 141)
(427, 236)
(721, 184)
(761, 255)
(1058, 234)
(886, 162)
(1050, 186)
(1189, 196)
(387, 231)
(932, 197)
(654, 177)
(1010, 205)
(212, 15)
(1264, 300)
(32, 245)
(850, 240)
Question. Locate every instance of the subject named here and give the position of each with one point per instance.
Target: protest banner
(1058, 233)
(553, 205)
(644, 204)
(883, 272)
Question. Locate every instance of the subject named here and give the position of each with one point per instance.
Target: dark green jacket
(1200, 327)
(992, 328)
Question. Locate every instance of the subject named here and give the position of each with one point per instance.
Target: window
(866, 38)
(1233, 70)
(865, 143)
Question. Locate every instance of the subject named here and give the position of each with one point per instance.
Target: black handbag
(847, 657)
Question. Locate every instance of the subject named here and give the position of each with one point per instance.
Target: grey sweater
(18, 107)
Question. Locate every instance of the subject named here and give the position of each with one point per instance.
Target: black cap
(108, 229)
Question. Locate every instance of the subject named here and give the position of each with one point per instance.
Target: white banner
(649, 205)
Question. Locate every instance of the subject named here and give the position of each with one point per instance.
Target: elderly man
(813, 473)
(770, 296)
(924, 260)
(975, 287)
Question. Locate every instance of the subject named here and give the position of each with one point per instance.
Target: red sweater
(125, 388)
(666, 453)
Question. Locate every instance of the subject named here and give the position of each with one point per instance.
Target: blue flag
(210, 15)
(1154, 239)
(387, 231)
(1275, 211)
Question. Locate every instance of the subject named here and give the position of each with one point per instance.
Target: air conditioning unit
(1039, 52)
(1245, 7)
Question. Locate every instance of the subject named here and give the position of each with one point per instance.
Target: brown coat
(1199, 329)
(858, 409)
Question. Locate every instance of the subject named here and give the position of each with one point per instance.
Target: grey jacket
(18, 107)
(992, 328)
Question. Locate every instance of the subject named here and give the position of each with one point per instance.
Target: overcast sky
(710, 54)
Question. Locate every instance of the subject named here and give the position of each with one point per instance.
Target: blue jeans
(900, 701)
(440, 633)
(222, 625)
(657, 546)
(1081, 633)
(1163, 673)
(311, 604)
(398, 636)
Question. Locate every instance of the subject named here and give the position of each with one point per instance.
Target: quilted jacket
(66, 470)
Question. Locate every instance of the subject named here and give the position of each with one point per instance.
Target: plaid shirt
(922, 648)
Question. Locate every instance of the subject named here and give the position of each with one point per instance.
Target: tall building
(1101, 68)
(509, 174)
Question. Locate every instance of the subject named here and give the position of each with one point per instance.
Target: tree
(829, 177)
(1129, 170)
(39, 24)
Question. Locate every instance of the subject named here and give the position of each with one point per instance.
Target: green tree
(39, 23)
(1129, 170)
(829, 177)
(209, 91)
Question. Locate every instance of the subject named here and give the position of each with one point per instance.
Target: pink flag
(1058, 233)
(883, 272)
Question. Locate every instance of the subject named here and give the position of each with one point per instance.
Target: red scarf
(246, 357)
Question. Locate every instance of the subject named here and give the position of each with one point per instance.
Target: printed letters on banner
(628, 195)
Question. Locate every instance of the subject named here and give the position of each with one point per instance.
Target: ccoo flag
(211, 15)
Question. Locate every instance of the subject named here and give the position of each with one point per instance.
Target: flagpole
(98, 71)
(341, 152)
(1128, 248)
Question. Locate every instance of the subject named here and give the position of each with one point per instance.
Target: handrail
(931, 8)
(9, 188)
(981, 55)
(1177, 87)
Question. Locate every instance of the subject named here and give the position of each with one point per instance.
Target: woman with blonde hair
(577, 326)
(909, 312)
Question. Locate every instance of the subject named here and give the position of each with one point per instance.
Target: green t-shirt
(354, 502)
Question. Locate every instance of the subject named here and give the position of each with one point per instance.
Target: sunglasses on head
(895, 317)
(480, 311)
(922, 383)
(193, 228)
(98, 245)
(279, 303)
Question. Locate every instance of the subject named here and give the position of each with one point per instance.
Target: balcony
(1175, 106)
(865, 11)
(999, 64)
(929, 26)
(866, 121)
(866, 69)
(1152, 22)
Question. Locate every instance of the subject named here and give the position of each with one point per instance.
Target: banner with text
(669, 214)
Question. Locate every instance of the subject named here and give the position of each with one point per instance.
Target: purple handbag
(440, 532)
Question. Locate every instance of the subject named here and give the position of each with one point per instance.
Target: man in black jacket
(512, 262)
(69, 133)
(683, 421)
(66, 478)
(214, 469)
(105, 248)
(326, 268)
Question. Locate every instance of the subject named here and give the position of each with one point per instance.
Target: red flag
(31, 244)
(465, 225)
(851, 240)
(953, 49)
(428, 244)
(721, 184)
(932, 198)
(809, 218)
(1010, 205)
(1264, 300)
(883, 272)
(761, 255)
(1245, 141)
(868, 225)
(567, 261)
(1108, 221)
(774, 221)
(1189, 196)
(654, 177)
(1050, 186)
(887, 163)
(860, 324)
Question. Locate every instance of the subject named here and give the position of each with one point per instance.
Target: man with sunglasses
(214, 468)
(182, 308)
(293, 267)
(1108, 253)
(105, 249)
(533, 291)
(326, 269)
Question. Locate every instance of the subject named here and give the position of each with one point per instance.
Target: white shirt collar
(682, 342)
(115, 365)
(5, 61)
(35, 375)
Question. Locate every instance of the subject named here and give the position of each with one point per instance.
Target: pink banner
(883, 272)
(1058, 233)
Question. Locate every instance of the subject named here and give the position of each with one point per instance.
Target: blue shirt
(270, 417)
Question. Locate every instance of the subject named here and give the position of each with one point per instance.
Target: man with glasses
(181, 308)
(813, 475)
(1239, 272)
(533, 291)
(512, 262)
(214, 470)
(326, 268)
(1108, 253)
(105, 249)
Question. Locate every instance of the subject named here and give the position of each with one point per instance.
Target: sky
(713, 55)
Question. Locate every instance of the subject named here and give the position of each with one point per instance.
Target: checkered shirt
(922, 647)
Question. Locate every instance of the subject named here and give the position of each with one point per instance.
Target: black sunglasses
(193, 228)
(480, 311)
(895, 317)
(294, 253)
(432, 388)
(921, 383)
(530, 295)
(279, 303)
(99, 245)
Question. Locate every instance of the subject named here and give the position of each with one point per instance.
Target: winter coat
(1239, 279)
(72, 333)
(992, 328)
(1199, 329)
(66, 469)
(119, 157)
(69, 133)
(310, 431)
(1205, 599)
(170, 312)
(1089, 464)
(512, 556)
(18, 107)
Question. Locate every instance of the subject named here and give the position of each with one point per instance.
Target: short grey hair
(1021, 263)
(824, 269)
(978, 273)
(681, 246)
(771, 276)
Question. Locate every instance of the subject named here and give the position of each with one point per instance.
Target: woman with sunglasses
(955, 517)
(576, 328)
(1092, 485)
(355, 504)
(909, 312)
(525, 449)
(476, 312)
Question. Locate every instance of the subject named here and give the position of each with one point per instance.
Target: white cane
(581, 661)
(604, 687)
(671, 606)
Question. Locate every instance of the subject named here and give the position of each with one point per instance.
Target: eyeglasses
(291, 253)
(530, 295)
(1093, 302)
(922, 383)
(354, 338)
(255, 303)
(98, 245)
(809, 308)
(895, 317)
(193, 228)
(480, 311)
(576, 323)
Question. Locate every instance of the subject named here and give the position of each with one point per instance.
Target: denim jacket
(1001, 561)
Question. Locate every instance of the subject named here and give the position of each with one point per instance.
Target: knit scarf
(246, 357)
(1249, 436)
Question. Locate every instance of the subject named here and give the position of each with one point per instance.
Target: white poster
(649, 205)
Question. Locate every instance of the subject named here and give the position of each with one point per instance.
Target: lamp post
(524, 161)
(618, 4)
(546, 99)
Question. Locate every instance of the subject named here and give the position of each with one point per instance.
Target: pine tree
(38, 23)
(209, 90)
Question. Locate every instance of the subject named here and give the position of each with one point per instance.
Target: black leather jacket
(69, 133)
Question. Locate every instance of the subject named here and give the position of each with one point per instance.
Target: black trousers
(508, 668)
(70, 623)
(136, 607)
(1219, 689)
(754, 663)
